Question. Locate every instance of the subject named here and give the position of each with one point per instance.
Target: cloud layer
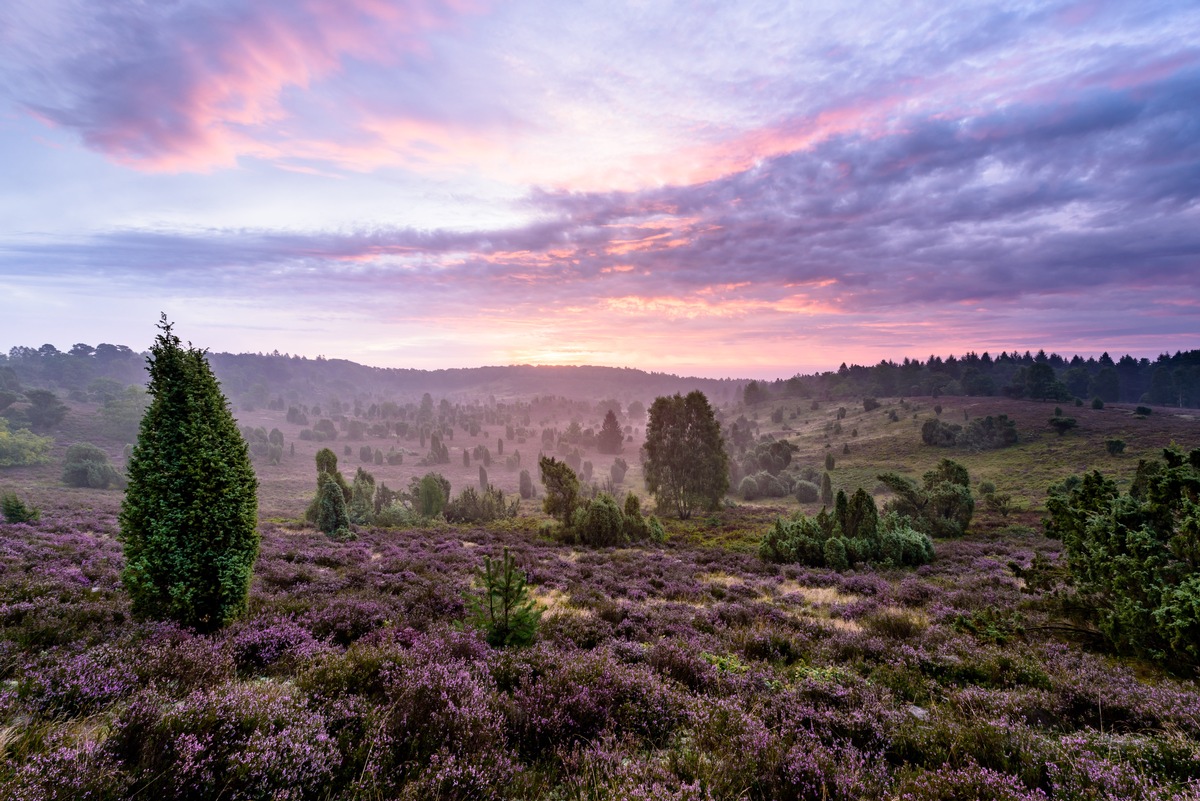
(744, 189)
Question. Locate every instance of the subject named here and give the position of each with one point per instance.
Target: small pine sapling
(504, 610)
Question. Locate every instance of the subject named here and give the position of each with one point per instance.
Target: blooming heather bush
(65, 770)
(75, 683)
(237, 741)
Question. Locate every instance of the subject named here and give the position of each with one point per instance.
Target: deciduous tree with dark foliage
(684, 457)
(188, 521)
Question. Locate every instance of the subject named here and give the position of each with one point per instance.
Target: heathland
(677, 666)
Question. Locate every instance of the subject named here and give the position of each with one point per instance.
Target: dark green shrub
(942, 507)
(15, 510)
(505, 609)
(826, 490)
(86, 465)
(1144, 411)
(807, 492)
(600, 522)
(22, 447)
(473, 506)
(562, 489)
(432, 492)
(526, 485)
(331, 515)
(1133, 556)
(829, 462)
(870, 404)
(188, 521)
(1097, 403)
(1063, 424)
(1115, 447)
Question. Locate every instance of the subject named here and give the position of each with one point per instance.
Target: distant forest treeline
(1166, 381)
(255, 379)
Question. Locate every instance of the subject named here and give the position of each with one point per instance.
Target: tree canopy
(684, 457)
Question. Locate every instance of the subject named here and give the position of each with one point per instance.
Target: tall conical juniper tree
(188, 521)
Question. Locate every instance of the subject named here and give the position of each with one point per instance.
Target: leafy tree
(686, 466)
(505, 609)
(562, 489)
(1135, 557)
(121, 414)
(45, 409)
(86, 465)
(610, 438)
(189, 515)
(361, 509)
(22, 447)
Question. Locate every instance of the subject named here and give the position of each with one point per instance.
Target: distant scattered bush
(941, 507)
(474, 506)
(983, 433)
(870, 404)
(86, 465)
(22, 447)
(853, 533)
(1144, 411)
(807, 492)
(15, 510)
(525, 485)
(1063, 424)
(1097, 403)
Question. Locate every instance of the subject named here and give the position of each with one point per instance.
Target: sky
(743, 189)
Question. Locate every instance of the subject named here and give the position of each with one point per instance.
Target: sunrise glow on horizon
(730, 189)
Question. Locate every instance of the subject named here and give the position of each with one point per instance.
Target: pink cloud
(202, 88)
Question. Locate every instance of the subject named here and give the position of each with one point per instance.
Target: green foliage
(1097, 403)
(853, 534)
(562, 489)
(829, 461)
(807, 492)
(45, 410)
(22, 447)
(600, 522)
(610, 438)
(1063, 424)
(525, 485)
(686, 465)
(984, 433)
(14, 510)
(121, 414)
(1136, 557)
(1144, 411)
(86, 465)
(826, 489)
(870, 404)
(504, 609)
(748, 488)
(432, 493)
(361, 509)
(474, 506)
(188, 521)
(942, 507)
(332, 517)
(1115, 447)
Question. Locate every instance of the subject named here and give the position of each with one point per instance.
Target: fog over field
(535, 401)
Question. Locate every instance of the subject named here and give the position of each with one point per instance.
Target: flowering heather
(660, 672)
